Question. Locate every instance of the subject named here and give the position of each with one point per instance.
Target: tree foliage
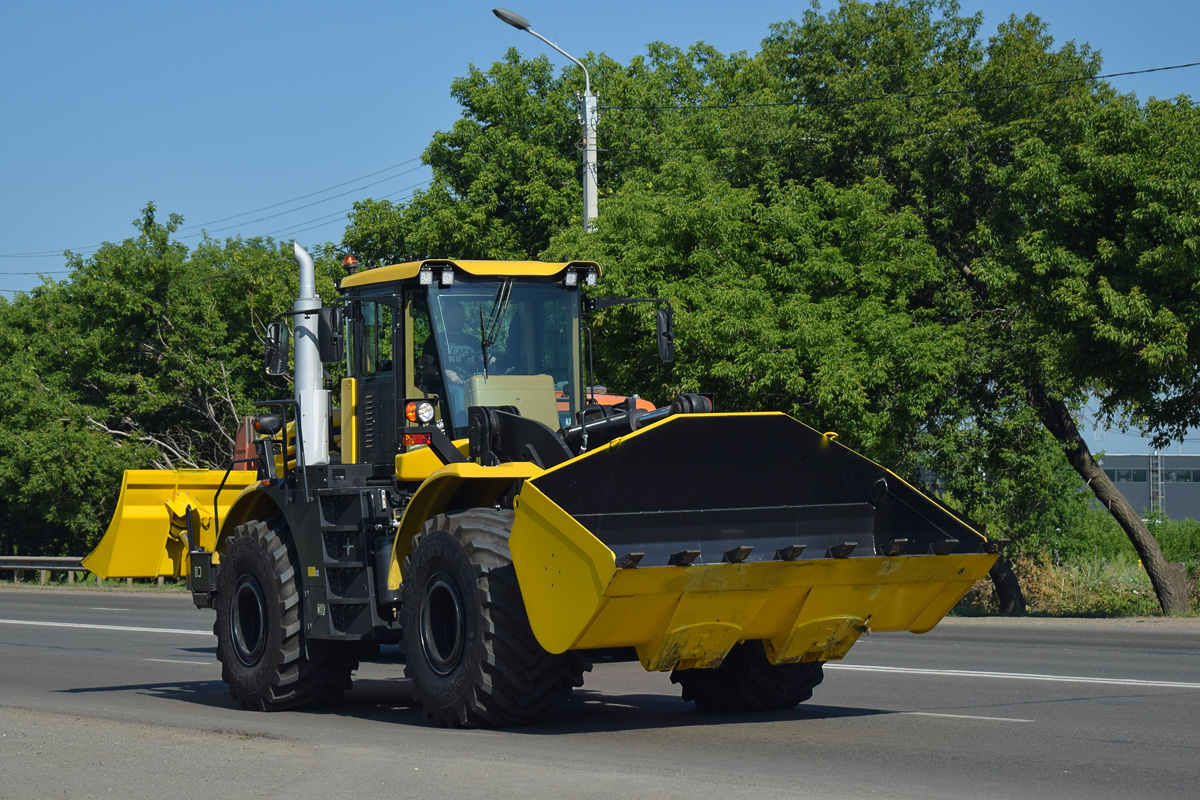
(146, 355)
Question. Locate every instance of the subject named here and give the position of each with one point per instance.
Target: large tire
(259, 640)
(747, 681)
(469, 651)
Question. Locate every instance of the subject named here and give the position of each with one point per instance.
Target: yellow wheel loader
(468, 499)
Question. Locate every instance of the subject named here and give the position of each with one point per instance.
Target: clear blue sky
(215, 110)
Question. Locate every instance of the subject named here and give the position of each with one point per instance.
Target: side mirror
(666, 334)
(275, 354)
(330, 324)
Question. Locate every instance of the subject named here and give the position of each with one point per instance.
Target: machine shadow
(584, 711)
(388, 700)
(214, 693)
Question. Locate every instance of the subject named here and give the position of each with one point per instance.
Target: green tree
(146, 355)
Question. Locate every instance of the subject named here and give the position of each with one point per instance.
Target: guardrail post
(70, 577)
(44, 574)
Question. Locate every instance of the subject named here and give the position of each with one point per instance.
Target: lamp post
(588, 115)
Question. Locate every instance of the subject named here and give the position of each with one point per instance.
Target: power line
(59, 252)
(38, 272)
(311, 194)
(793, 142)
(293, 229)
(306, 205)
(913, 96)
(319, 221)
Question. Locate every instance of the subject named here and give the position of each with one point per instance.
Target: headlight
(420, 411)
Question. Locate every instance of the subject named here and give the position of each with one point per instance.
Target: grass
(1087, 587)
(31, 579)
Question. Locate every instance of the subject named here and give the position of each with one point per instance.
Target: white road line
(102, 608)
(102, 627)
(178, 661)
(1018, 676)
(961, 716)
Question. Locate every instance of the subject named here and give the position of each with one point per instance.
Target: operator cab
(458, 334)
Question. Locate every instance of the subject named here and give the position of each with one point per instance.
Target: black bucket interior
(703, 488)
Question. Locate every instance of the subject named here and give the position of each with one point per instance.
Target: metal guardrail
(44, 565)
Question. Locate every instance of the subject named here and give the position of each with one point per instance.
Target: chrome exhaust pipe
(312, 399)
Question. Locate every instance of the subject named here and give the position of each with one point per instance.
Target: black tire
(746, 681)
(469, 651)
(259, 640)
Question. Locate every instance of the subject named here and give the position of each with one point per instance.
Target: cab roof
(507, 269)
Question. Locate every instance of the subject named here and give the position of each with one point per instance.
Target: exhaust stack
(313, 401)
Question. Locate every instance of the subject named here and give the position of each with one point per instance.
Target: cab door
(377, 323)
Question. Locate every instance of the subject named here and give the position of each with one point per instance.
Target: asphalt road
(118, 694)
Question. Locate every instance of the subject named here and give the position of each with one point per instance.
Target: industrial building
(1157, 482)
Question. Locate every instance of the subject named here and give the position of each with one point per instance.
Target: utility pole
(589, 115)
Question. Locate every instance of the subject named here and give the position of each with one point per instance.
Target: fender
(452, 487)
(259, 500)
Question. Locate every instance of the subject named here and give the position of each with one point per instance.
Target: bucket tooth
(683, 558)
(736, 555)
(994, 546)
(789, 553)
(894, 547)
(630, 560)
(843, 550)
(943, 548)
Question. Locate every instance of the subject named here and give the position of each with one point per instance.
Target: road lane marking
(102, 608)
(102, 627)
(178, 661)
(961, 716)
(1018, 676)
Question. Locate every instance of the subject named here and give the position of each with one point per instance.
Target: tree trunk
(1009, 596)
(1169, 579)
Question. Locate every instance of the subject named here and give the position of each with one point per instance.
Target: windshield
(504, 342)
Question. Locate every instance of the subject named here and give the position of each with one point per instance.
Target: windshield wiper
(487, 332)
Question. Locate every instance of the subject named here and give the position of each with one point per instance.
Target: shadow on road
(207, 693)
(389, 700)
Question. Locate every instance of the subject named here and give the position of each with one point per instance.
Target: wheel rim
(248, 621)
(442, 624)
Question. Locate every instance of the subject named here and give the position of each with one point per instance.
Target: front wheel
(258, 627)
(469, 651)
(747, 681)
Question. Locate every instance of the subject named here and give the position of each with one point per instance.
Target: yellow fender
(454, 486)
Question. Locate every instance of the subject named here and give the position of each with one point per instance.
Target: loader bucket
(148, 533)
(703, 531)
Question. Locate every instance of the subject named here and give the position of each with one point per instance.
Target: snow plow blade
(147, 537)
(702, 531)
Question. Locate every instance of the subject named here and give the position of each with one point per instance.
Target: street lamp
(588, 115)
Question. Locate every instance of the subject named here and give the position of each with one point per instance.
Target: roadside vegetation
(1092, 571)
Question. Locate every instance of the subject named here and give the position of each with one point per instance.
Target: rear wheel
(258, 627)
(747, 681)
(469, 650)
